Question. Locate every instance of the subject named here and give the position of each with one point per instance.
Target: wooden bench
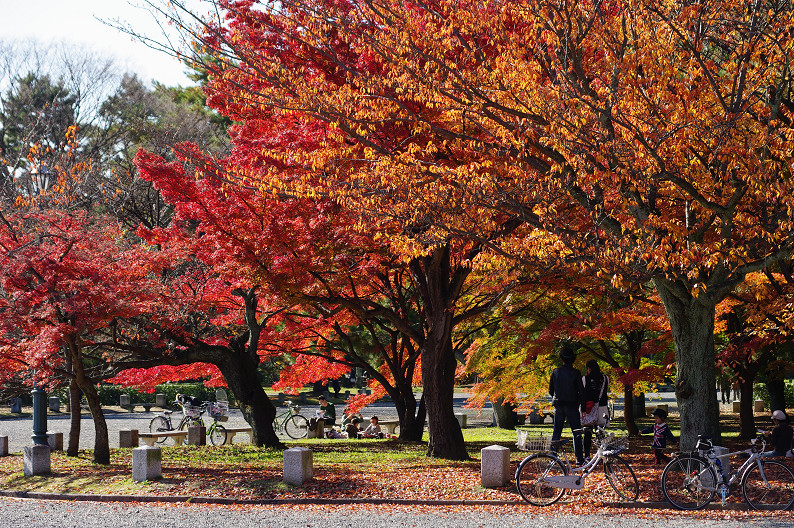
(150, 438)
(231, 431)
(388, 426)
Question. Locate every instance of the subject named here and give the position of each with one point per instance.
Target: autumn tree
(646, 141)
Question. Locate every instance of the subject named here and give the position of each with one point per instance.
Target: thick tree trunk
(75, 416)
(692, 325)
(777, 393)
(628, 410)
(411, 429)
(504, 413)
(746, 417)
(241, 377)
(101, 443)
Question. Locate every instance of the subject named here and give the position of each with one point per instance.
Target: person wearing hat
(568, 399)
(661, 434)
(781, 434)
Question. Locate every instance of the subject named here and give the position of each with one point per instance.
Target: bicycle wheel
(218, 434)
(689, 482)
(530, 477)
(297, 426)
(622, 478)
(159, 425)
(774, 490)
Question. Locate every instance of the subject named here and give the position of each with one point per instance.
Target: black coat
(565, 386)
(592, 389)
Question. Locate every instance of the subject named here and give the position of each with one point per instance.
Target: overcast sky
(74, 21)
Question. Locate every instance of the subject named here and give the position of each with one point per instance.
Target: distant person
(567, 392)
(661, 434)
(373, 429)
(327, 411)
(352, 428)
(596, 390)
(781, 434)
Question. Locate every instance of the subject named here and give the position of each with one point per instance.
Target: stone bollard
(146, 463)
(124, 401)
(494, 466)
(737, 406)
(461, 417)
(297, 465)
(3, 446)
(160, 401)
(281, 398)
(37, 460)
(758, 406)
(55, 441)
(197, 435)
(55, 404)
(128, 438)
(722, 455)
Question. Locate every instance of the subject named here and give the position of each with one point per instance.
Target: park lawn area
(343, 469)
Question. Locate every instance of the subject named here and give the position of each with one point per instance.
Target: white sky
(73, 21)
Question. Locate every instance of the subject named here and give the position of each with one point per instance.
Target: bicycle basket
(191, 411)
(219, 411)
(612, 442)
(295, 409)
(528, 442)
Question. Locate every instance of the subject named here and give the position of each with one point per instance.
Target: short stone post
(494, 466)
(16, 405)
(302, 397)
(297, 465)
(55, 441)
(722, 454)
(124, 401)
(197, 435)
(461, 419)
(737, 406)
(146, 463)
(55, 404)
(758, 406)
(128, 438)
(37, 460)
(281, 398)
(3, 446)
(160, 401)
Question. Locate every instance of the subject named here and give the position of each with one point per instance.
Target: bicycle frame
(577, 475)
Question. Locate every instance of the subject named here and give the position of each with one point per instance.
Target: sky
(75, 21)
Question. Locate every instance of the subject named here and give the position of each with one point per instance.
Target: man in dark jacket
(567, 392)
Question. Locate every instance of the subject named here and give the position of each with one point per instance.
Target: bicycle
(191, 415)
(295, 425)
(690, 480)
(543, 478)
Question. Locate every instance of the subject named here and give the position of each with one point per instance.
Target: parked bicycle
(291, 423)
(542, 478)
(691, 480)
(192, 415)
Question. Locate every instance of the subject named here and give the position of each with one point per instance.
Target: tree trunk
(101, 443)
(439, 289)
(242, 379)
(504, 414)
(692, 325)
(628, 410)
(75, 416)
(746, 417)
(411, 430)
(777, 393)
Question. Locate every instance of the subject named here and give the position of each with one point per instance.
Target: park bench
(231, 431)
(150, 438)
(388, 426)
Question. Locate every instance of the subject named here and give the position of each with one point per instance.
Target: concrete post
(55, 404)
(55, 441)
(197, 435)
(3, 446)
(128, 438)
(146, 463)
(737, 406)
(297, 465)
(160, 401)
(37, 460)
(124, 401)
(758, 406)
(461, 417)
(494, 466)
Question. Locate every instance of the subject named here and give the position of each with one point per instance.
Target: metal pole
(39, 416)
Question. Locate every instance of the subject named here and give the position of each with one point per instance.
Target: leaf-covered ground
(362, 470)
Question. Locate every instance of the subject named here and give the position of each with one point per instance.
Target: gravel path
(15, 512)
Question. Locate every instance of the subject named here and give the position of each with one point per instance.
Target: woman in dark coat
(596, 390)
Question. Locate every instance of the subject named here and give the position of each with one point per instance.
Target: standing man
(567, 392)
